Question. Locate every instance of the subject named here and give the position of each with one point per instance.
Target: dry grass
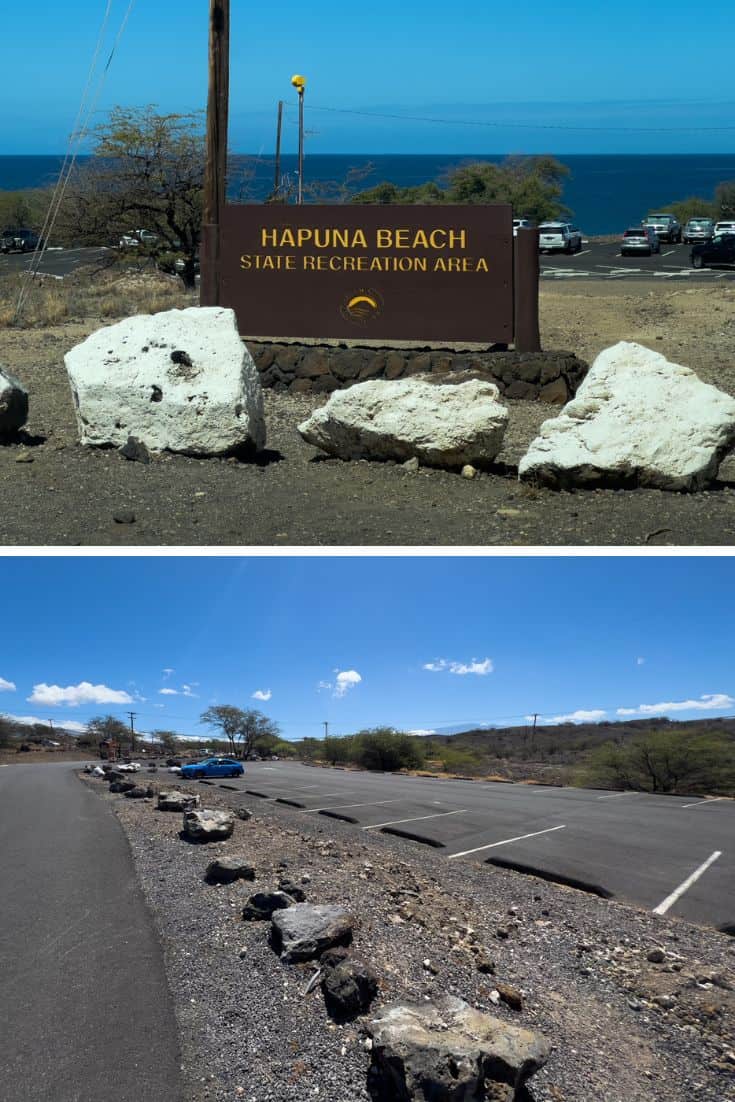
(112, 292)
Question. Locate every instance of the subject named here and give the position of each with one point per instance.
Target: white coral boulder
(637, 419)
(441, 425)
(181, 381)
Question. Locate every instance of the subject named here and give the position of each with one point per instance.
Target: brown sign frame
(430, 273)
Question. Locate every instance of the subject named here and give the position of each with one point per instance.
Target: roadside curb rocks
(306, 930)
(445, 1050)
(169, 800)
(13, 404)
(261, 906)
(226, 870)
(206, 825)
(348, 983)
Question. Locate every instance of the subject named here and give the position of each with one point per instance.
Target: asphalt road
(640, 848)
(56, 262)
(599, 261)
(85, 1011)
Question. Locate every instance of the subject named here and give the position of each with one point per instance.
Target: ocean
(605, 192)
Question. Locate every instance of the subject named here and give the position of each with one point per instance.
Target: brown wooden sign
(434, 273)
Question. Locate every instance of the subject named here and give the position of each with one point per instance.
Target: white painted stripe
(669, 253)
(505, 842)
(700, 803)
(396, 822)
(671, 899)
(335, 807)
(584, 252)
(616, 794)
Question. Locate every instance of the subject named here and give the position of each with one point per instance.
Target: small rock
(511, 996)
(177, 801)
(666, 1002)
(427, 964)
(226, 870)
(297, 894)
(263, 905)
(306, 930)
(124, 516)
(411, 465)
(13, 405)
(349, 984)
(484, 962)
(137, 792)
(135, 451)
(205, 825)
(24, 457)
(656, 956)
(468, 471)
(243, 813)
(502, 933)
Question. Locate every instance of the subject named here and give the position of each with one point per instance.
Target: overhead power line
(495, 125)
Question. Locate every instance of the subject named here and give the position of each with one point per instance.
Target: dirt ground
(54, 492)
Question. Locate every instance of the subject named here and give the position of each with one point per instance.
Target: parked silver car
(639, 239)
(559, 235)
(699, 229)
(665, 226)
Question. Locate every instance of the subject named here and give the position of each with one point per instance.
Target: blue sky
(418, 643)
(587, 65)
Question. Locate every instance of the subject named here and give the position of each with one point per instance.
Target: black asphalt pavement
(85, 1011)
(639, 848)
(597, 260)
(56, 262)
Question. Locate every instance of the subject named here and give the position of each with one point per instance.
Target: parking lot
(603, 261)
(667, 854)
(56, 262)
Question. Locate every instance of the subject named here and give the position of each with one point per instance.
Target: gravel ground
(249, 1032)
(54, 492)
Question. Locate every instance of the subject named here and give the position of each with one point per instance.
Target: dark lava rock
(226, 870)
(262, 905)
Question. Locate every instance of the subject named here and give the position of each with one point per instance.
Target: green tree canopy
(244, 729)
(531, 185)
(146, 172)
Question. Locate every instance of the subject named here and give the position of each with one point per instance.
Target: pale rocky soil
(52, 491)
(623, 1028)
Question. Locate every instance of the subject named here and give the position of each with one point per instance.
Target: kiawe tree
(246, 730)
(146, 172)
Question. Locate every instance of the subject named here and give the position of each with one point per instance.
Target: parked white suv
(559, 235)
(723, 227)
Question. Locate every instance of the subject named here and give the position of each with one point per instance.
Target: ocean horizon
(605, 192)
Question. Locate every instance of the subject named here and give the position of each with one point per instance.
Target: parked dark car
(213, 767)
(720, 250)
(18, 241)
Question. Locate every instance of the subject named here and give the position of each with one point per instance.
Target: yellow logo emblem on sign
(362, 307)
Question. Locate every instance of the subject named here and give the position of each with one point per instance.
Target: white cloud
(709, 702)
(640, 661)
(480, 668)
(74, 695)
(262, 694)
(167, 671)
(580, 716)
(6, 686)
(185, 690)
(421, 733)
(346, 680)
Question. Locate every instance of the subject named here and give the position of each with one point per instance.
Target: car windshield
(694, 222)
(635, 233)
(552, 229)
(659, 218)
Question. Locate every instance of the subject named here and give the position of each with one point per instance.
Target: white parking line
(505, 842)
(584, 252)
(671, 899)
(395, 822)
(669, 253)
(616, 794)
(700, 803)
(335, 807)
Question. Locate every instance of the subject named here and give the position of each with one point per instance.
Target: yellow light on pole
(299, 84)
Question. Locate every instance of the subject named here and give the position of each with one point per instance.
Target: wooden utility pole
(215, 173)
(132, 732)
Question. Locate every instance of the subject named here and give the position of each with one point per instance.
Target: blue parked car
(213, 767)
